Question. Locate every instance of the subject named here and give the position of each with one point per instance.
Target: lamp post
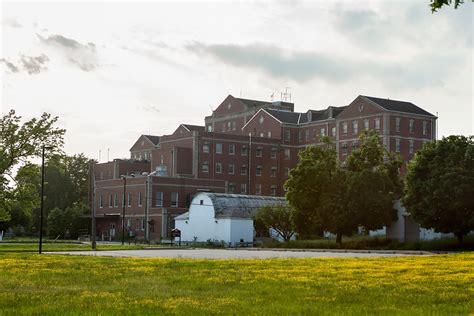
(123, 206)
(42, 197)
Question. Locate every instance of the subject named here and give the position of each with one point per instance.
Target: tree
(373, 182)
(277, 218)
(18, 144)
(439, 186)
(340, 199)
(437, 4)
(315, 189)
(68, 222)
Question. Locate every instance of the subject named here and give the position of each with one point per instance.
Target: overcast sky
(114, 71)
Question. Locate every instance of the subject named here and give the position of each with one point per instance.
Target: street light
(42, 196)
(123, 206)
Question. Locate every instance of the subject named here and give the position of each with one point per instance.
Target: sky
(113, 71)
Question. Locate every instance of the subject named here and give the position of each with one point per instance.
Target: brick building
(245, 146)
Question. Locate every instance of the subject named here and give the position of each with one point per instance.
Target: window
(287, 172)
(244, 150)
(269, 134)
(142, 224)
(366, 124)
(258, 171)
(101, 202)
(231, 188)
(287, 135)
(223, 127)
(425, 127)
(243, 188)
(377, 123)
(273, 153)
(205, 167)
(243, 170)
(231, 168)
(115, 200)
(234, 126)
(323, 131)
(258, 151)
(344, 148)
(258, 189)
(228, 126)
(344, 128)
(306, 134)
(231, 149)
(129, 200)
(355, 144)
(174, 199)
(412, 126)
(333, 131)
(300, 136)
(218, 167)
(209, 128)
(159, 199)
(218, 148)
(129, 223)
(397, 145)
(411, 144)
(111, 200)
(139, 199)
(397, 124)
(273, 172)
(287, 153)
(273, 190)
(355, 127)
(205, 148)
(262, 134)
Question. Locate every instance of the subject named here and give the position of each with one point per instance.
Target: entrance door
(112, 231)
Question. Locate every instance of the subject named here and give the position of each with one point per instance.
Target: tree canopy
(340, 198)
(439, 186)
(438, 4)
(277, 218)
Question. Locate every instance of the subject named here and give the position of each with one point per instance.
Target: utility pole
(123, 208)
(147, 227)
(42, 199)
(93, 229)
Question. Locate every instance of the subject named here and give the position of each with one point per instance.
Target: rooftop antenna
(272, 96)
(286, 96)
(99, 154)
(108, 152)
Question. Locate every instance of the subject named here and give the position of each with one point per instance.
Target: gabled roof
(192, 128)
(241, 206)
(397, 106)
(154, 139)
(284, 116)
(253, 103)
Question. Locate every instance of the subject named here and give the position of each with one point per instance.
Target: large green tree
(373, 182)
(439, 189)
(340, 198)
(19, 143)
(315, 189)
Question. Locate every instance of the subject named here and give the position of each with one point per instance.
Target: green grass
(70, 285)
(33, 247)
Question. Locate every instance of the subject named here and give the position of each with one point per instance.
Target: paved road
(230, 254)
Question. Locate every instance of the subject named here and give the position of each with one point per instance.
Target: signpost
(176, 233)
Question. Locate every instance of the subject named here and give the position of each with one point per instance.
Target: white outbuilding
(222, 217)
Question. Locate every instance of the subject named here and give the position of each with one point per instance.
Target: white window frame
(159, 201)
(176, 202)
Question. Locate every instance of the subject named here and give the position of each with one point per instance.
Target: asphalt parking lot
(238, 253)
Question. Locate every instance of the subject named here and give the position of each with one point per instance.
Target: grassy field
(57, 284)
(33, 247)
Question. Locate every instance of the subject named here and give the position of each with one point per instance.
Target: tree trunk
(460, 237)
(338, 238)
